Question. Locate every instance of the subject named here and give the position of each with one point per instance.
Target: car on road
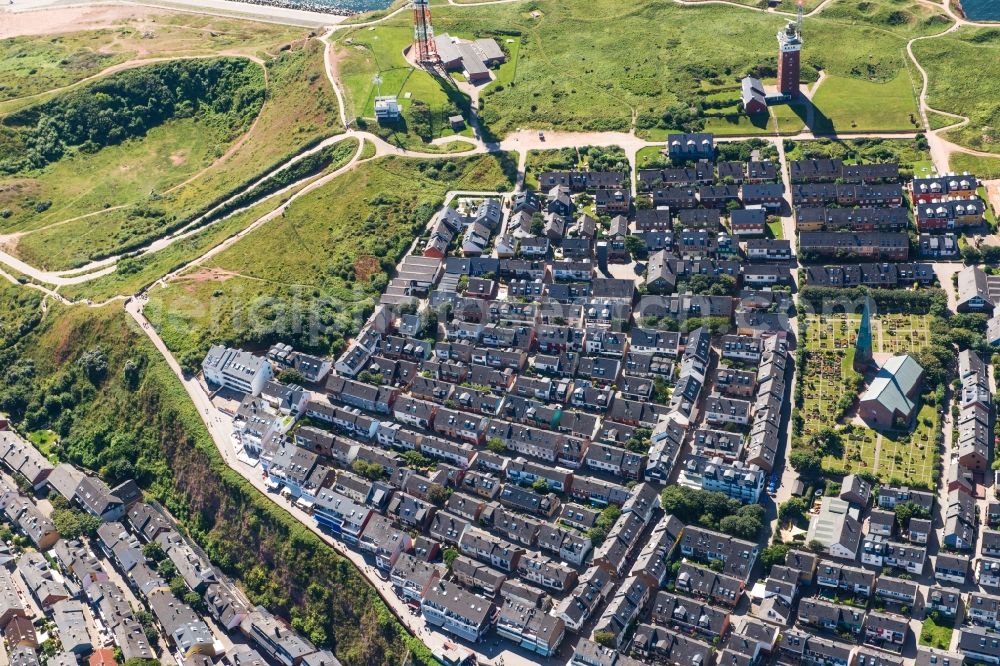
(541, 136)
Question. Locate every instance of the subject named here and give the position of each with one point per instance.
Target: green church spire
(863, 347)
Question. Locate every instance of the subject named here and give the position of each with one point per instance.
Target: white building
(237, 370)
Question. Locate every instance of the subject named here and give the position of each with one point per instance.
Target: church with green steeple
(863, 347)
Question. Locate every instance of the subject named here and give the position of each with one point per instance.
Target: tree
(449, 556)
(746, 523)
(291, 376)
(805, 462)
(496, 445)
(816, 546)
(178, 587)
(636, 247)
(606, 638)
(153, 551)
(369, 470)
(774, 554)
(907, 510)
(540, 486)
(438, 495)
(640, 440)
(792, 510)
(416, 460)
(599, 532)
(94, 365)
(73, 523)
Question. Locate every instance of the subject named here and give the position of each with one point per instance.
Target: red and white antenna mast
(423, 33)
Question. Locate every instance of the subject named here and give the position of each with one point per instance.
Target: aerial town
(435, 385)
(497, 439)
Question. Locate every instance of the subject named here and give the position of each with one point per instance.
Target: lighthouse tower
(789, 50)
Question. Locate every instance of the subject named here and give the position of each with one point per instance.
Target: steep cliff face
(93, 377)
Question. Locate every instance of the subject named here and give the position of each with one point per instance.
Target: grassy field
(939, 120)
(983, 167)
(936, 634)
(593, 65)
(911, 154)
(959, 88)
(167, 155)
(830, 339)
(844, 104)
(178, 169)
(364, 54)
(314, 274)
(33, 65)
(133, 274)
(775, 229)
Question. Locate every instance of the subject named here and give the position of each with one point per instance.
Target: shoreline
(960, 10)
(272, 11)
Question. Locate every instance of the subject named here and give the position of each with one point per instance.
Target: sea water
(981, 10)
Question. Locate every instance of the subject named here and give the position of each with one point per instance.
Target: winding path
(520, 142)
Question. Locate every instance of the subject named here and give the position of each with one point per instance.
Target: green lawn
(967, 90)
(936, 634)
(844, 104)
(366, 53)
(775, 229)
(314, 274)
(650, 157)
(595, 64)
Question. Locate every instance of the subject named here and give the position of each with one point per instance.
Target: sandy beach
(34, 17)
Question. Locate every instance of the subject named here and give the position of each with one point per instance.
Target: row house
(361, 395)
(590, 490)
(721, 589)
(459, 612)
(869, 245)
(803, 648)
(737, 555)
(851, 219)
(477, 576)
(831, 616)
(873, 275)
(624, 608)
(949, 213)
(622, 541)
(593, 589)
(851, 579)
(925, 190)
(546, 573)
(767, 195)
(769, 249)
(489, 549)
(689, 616)
(528, 501)
(567, 546)
(530, 627)
(700, 173)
